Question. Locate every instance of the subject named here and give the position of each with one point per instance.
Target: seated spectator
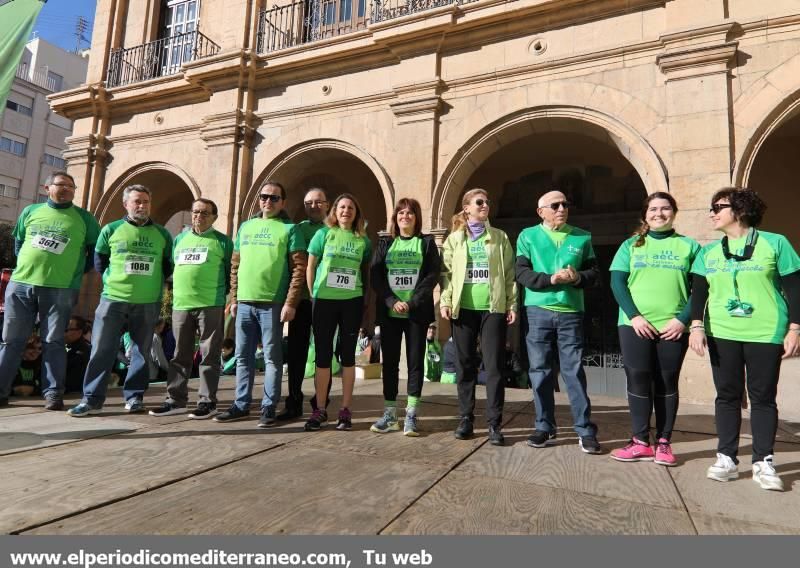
(78, 350)
(228, 356)
(28, 381)
(449, 362)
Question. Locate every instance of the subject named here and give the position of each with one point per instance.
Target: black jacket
(421, 302)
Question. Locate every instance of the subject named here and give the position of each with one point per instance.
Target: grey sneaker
(83, 409)
(134, 406)
(267, 419)
(410, 426)
(388, 422)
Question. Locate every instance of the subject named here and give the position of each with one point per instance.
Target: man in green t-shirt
(200, 286)
(267, 277)
(315, 204)
(134, 255)
(54, 243)
(555, 261)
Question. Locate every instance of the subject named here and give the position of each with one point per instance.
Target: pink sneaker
(664, 453)
(636, 450)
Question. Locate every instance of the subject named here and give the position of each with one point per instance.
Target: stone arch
(295, 157)
(153, 175)
(544, 119)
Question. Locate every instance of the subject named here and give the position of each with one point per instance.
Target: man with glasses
(555, 262)
(315, 203)
(134, 255)
(200, 286)
(54, 243)
(267, 277)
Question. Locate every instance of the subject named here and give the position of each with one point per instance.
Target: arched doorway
(773, 174)
(338, 168)
(601, 174)
(172, 194)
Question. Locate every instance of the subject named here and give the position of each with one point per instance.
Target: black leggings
(327, 316)
(653, 368)
(762, 362)
(392, 330)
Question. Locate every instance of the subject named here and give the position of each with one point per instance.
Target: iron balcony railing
(305, 21)
(158, 58)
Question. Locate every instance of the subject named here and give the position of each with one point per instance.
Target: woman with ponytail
(650, 281)
(479, 297)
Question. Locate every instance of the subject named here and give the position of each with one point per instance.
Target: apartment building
(607, 100)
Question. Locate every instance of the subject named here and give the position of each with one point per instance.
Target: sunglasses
(555, 206)
(482, 202)
(268, 197)
(717, 207)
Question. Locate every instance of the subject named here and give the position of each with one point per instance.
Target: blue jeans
(22, 304)
(254, 322)
(545, 332)
(109, 320)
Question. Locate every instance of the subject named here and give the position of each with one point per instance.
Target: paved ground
(122, 474)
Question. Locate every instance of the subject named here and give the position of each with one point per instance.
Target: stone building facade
(606, 99)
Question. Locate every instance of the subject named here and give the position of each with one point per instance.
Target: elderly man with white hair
(555, 262)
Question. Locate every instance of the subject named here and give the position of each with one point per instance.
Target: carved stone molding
(236, 127)
(697, 52)
(418, 102)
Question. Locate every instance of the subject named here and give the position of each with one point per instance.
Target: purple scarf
(476, 229)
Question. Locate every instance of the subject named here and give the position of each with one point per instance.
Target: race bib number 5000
(342, 278)
(477, 273)
(139, 265)
(51, 243)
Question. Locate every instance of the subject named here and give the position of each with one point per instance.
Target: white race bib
(477, 273)
(139, 265)
(196, 255)
(51, 243)
(342, 278)
(403, 279)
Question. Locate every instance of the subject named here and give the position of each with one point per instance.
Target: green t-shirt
(264, 247)
(339, 254)
(135, 273)
(550, 251)
(658, 276)
(403, 263)
(54, 243)
(475, 294)
(759, 285)
(308, 229)
(202, 269)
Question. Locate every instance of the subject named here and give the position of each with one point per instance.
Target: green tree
(7, 258)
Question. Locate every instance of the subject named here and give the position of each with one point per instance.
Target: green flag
(16, 21)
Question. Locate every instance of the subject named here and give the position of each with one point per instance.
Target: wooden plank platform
(135, 474)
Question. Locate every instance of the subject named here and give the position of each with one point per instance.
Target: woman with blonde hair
(338, 278)
(479, 297)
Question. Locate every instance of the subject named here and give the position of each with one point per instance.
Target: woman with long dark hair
(405, 270)
(337, 276)
(746, 310)
(650, 281)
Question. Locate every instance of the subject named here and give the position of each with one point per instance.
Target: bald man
(555, 262)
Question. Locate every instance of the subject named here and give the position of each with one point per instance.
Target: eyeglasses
(717, 207)
(64, 185)
(268, 197)
(482, 202)
(555, 206)
(316, 203)
(202, 213)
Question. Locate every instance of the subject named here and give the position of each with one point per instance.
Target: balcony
(306, 21)
(158, 58)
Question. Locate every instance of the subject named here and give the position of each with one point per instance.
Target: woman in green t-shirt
(746, 310)
(405, 270)
(479, 296)
(650, 281)
(337, 275)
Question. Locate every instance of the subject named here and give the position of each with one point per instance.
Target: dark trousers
(392, 331)
(652, 368)
(299, 337)
(185, 326)
(491, 329)
(327, 315)
(761, 362)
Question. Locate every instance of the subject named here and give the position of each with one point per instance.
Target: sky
(57, 21)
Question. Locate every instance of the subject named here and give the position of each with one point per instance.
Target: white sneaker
(723, 470)
(765, 475)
